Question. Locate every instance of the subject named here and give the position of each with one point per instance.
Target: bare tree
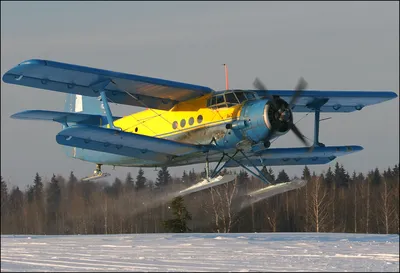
(387, 210)
(318, 204)
(222, 197)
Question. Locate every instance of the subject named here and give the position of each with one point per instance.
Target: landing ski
(272, 190)
(205, 184)
(95, 177)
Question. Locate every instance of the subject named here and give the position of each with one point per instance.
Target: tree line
(332, 201)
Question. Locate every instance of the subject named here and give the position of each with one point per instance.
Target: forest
(335, 200)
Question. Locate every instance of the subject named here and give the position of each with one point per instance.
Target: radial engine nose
(278, 117)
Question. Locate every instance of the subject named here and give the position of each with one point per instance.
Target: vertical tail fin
(81, 104)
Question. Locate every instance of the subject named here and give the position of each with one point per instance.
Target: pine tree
(329, 177)
(140, 180)
(4, 204)
(396, 172)
(53, 204)
(30, 193)
(192, 177)
(38, 187)
(129, 184)
(72, 181)
(243, 180)
(341, 176)
(345, 177)
(178, 224)
(16, 205)
(269, 174)
(306, 174)
(163, 178)
(4, 193)
(376, 177)
(116, 188)
(282, 177)
(185, 178)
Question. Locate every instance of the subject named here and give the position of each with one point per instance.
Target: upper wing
(332, 101)
(120, 88)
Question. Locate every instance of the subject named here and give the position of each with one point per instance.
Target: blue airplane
(183, 123)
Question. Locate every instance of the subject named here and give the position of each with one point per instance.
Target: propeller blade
(296, 131)
(301, 85)
(260, 86)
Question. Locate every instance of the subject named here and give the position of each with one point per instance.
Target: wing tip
(393, 94)
(33, 62)
(6, 76)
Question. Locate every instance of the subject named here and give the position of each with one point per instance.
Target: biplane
(185, 124)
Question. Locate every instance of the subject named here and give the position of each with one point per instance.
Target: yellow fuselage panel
(183, 119)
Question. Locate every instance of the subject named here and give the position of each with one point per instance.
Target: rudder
(81, 104)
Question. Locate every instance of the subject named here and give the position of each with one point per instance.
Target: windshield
(230, 98)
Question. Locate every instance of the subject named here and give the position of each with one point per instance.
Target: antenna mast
(226, 77)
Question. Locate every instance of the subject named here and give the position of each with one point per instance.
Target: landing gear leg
(207, 169)
(97, 171)
(96, 174)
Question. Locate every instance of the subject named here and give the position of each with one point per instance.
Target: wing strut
(316, 106)
(316, 128)
(100, 87)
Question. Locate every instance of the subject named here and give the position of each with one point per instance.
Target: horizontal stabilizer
(63, 117)
(206, 184)
(124, 143)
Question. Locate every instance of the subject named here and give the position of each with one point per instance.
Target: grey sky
(333, 45)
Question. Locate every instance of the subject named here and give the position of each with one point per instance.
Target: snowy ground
(202, 252)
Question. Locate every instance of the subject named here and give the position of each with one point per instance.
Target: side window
(240, 96)
(191, 121)
(183, 123)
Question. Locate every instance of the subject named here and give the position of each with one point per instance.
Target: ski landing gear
(209, 181)
(96, 174)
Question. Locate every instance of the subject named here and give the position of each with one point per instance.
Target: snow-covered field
(202, 252)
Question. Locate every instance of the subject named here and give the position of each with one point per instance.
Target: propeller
(283, 110)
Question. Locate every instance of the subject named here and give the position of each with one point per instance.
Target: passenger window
(183, 123)
(240, 96)
(191, 121)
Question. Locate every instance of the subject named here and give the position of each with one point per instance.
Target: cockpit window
(241, 97)
(230, 98)
(250, 96)
(220, 99)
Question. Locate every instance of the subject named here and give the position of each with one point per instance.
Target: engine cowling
(256, 119)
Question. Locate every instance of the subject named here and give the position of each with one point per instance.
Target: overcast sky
(333, 45)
